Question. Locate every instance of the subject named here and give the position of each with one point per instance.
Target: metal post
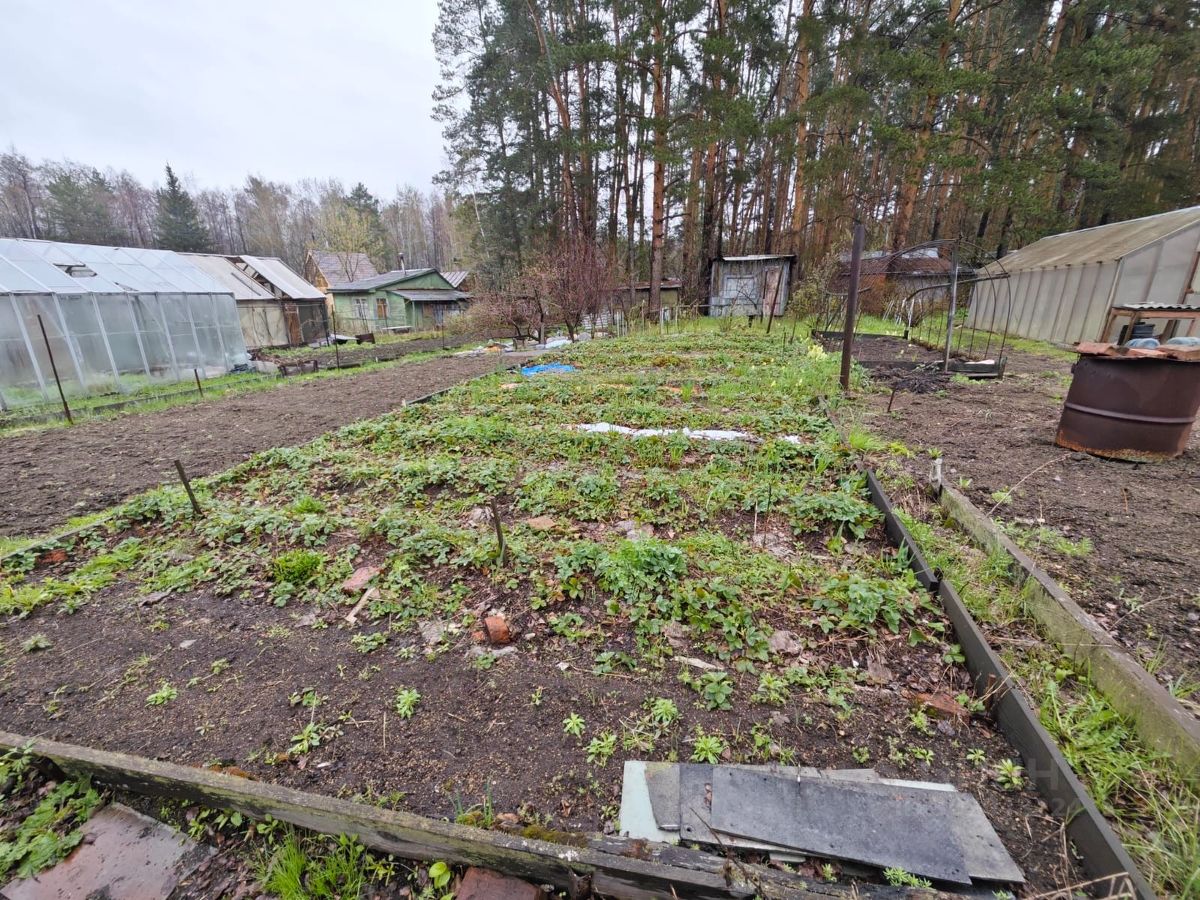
(860, 236)
(187, 486)
(196, 373)
(54, 369)
(337, 354)
(953, 306)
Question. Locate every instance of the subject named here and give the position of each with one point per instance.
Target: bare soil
(1141, 580)
(54, 475)
(487, 739)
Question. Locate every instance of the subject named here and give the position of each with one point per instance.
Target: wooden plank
(615, 867)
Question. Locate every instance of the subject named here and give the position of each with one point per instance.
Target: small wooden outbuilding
(750, 285)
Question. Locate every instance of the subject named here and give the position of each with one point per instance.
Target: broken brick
(498, 630)
(484, 884)
(360, 579)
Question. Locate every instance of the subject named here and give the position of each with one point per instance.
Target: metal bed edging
(1104, 857)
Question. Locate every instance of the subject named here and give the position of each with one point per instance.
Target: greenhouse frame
(1062, 288)
(108, 320)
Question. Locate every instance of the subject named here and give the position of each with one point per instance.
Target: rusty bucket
(1130, 407)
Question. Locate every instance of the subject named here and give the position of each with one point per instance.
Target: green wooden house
(402, 299)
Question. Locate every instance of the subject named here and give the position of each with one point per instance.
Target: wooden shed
(750, 285)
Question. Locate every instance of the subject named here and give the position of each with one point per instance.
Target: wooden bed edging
(608, 866)
(1160, 719)
(1104, 856)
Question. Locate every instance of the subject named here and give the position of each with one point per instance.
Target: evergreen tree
(177, 225)
(80, 207)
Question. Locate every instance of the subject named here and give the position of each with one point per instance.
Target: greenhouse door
(291, 317)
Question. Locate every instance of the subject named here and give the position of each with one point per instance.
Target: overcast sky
(221, 88)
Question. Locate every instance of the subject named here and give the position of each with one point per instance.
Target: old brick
(484, 884)
(498, 630)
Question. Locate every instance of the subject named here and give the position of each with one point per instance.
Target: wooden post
(196, 373)
(187, 486)
(852, 303)
(54, 369)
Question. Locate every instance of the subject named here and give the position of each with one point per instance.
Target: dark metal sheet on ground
(123, 854)
(986, 857)
(662, 780)
(695, 796)
(900, 827)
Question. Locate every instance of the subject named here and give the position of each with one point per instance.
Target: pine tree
(177, 225)
(80, 207)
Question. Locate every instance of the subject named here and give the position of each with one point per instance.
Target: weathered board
(607, 866)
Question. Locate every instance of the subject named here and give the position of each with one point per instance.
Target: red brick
(484, 884)
(498, 630)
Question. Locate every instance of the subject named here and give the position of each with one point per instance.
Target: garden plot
(656, 597)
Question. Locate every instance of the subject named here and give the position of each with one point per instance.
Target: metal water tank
(1130, 407)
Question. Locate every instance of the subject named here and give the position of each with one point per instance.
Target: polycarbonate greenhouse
(117, 319)
(1062, 287)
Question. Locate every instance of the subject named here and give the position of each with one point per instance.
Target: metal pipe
(953, 306)
(860, 233)
(54, 369)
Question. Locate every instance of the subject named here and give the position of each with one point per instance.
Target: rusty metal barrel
(1131, 407)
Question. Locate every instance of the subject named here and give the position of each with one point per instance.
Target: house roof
(456, 278)
(237, 282)
(41, 267)
(1104, 243)
(340, 268)
(378, 281)
(276, 273)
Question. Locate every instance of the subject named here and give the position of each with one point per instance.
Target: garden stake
(187, 486)
(54, 369)
(499, 532)
(196, 372)
(852, 303)
(891, 399)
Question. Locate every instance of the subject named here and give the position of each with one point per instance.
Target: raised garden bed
(658, 597)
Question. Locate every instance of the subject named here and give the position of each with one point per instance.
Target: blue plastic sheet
(553, 368)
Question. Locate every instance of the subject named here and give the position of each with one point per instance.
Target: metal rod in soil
(196, 373)
(187, 486)
(499, 532)
(852, 303)
(54, 369)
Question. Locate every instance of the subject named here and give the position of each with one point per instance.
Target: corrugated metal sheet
(456, 278)
(54, 267)
(237, 282)
(276, 272)
(1103, 243)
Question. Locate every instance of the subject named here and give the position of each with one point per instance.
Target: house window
(362, 308)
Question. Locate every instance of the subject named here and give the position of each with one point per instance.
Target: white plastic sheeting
(116, 319)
